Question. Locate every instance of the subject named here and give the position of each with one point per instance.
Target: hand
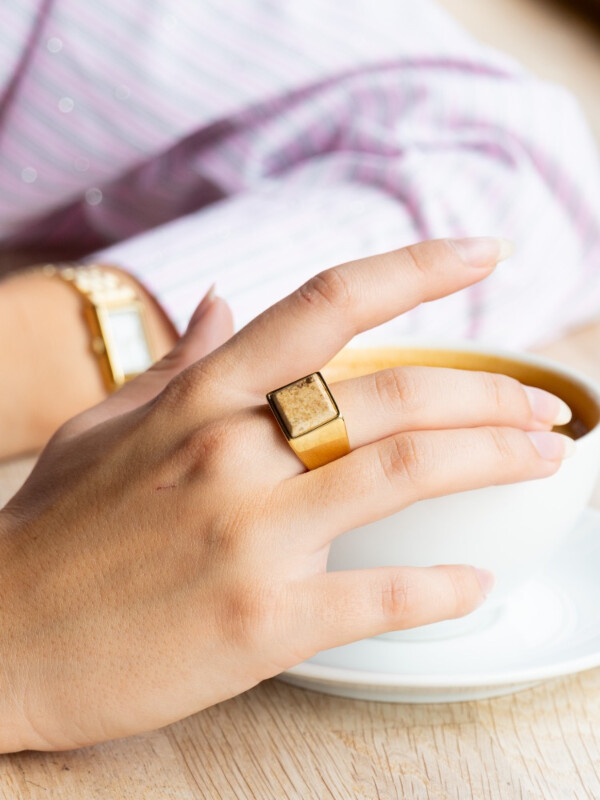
(169, 551)
(49, 373)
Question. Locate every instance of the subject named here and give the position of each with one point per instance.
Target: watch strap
(104, 292)
(99, 285)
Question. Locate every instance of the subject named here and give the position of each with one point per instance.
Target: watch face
(129, 353)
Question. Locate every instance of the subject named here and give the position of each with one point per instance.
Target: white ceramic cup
(511, 529)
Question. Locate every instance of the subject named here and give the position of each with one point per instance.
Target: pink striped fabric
(254, 142)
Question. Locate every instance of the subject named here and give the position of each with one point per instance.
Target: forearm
(48, 370)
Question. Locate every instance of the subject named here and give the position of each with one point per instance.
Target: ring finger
(432, 398)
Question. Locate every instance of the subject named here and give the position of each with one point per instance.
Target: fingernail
(202, 307)
(552, 446)
(483, 251)
(547, 407)
(486, 579)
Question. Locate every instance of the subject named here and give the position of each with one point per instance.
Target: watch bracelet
(99, 287)
(94, 281)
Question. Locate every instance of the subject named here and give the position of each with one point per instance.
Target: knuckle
(396, 388)
(501, 442)
(330, 289)
(246, 613)
(403, 462)
(211, 448)
(399, 599)
(68, 429)
(459, 593)
(418, 260)
(176, 393)
(495, 390)
(183, 389)
(75, 426)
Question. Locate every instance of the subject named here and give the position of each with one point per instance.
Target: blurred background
(557, 40)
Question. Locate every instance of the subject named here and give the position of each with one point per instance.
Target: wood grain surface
(552, 38)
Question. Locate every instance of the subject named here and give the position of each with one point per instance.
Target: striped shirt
(255, 142)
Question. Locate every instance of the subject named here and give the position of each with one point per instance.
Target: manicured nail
(486, 579)
(547, 407)
(483, 251)
(552, 446)
(202, 307)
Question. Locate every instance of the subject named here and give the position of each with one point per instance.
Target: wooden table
(278, 742)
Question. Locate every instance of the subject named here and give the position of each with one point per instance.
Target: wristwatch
(116, 318)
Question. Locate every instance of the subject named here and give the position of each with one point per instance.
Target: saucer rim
(339, 676)
(349, 677)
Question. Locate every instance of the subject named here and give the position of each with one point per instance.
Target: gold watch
(116, 318)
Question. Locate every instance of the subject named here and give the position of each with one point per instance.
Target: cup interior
(580, 397)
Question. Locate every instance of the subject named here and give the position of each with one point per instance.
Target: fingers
(303, 331)
(381, 478)
(405, 399)
(210, 326)
(427, 398)
(359, 603)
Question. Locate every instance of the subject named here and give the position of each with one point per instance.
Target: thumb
(210, 326)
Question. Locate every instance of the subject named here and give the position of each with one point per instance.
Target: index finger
(302, 332)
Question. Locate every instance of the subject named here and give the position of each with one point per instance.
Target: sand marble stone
(304, 405)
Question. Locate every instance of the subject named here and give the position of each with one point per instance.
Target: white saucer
(550, 627)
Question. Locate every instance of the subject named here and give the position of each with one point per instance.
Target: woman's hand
(169, 550)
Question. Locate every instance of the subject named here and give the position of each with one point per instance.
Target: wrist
(17, 413)
(46, 359)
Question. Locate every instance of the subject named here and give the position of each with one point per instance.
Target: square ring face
(303, 405)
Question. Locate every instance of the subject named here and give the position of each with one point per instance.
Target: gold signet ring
(310, 420)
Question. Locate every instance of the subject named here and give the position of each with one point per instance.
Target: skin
(169, 550)
(54, 346)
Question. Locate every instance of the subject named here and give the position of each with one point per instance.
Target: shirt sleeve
(256, 142)
(507, 155)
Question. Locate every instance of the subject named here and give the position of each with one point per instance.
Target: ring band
(310, 420)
